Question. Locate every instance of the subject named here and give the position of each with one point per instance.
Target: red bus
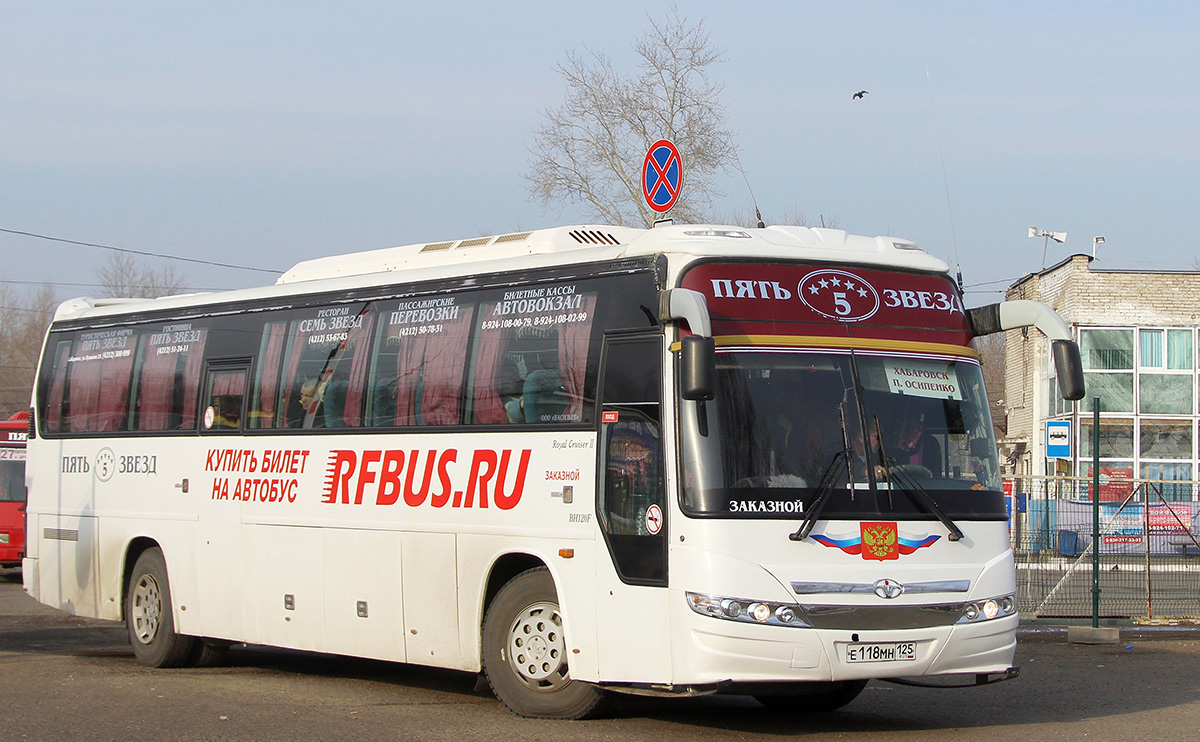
(13, 433)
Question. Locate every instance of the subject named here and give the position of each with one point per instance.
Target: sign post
(1095, 512)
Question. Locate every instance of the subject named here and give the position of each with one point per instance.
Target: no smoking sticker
(654, 520)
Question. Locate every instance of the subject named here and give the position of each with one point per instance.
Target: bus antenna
(937, 127)
(757, 214)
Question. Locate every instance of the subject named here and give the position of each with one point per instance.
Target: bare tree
(991, 356)
(23, 323)
(123, 275)
(591, 148)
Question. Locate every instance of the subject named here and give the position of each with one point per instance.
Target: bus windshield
(789, 421)
(12, 480)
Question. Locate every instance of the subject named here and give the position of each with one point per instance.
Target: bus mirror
(1069, 367)
(697, 368)
(982, 448)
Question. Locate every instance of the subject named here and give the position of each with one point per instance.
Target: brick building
(1137, 335)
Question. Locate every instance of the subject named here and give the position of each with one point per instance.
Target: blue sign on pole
(1058, 439)
(662, 175)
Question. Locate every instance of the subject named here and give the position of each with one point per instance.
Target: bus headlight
(4, 538)
(986, 610)
(747, 611)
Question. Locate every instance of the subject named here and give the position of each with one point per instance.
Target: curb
(1045, 632)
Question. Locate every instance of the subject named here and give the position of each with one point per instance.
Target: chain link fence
(1149, 548)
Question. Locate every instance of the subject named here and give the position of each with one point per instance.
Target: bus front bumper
(713, 651)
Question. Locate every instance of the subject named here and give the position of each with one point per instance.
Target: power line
(103, 285)
(990, 283)
(28, 310)
(140, 252)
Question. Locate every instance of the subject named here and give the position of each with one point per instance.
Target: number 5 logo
(838, 295)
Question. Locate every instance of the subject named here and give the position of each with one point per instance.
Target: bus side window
(324, 355)
(55, 407)
(420, 352)
(224, 394)
(167, 377)
(97, 387)
(530, 366)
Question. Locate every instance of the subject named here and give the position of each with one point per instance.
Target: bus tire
(816, 698)
(149, 618)
(525, 654)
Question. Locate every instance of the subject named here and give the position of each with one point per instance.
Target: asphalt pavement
(63, 677)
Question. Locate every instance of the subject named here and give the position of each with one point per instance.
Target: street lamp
(1096, 241)
(1056, 236)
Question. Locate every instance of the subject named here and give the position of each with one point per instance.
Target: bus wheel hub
(536, 645)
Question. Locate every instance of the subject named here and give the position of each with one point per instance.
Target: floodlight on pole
(1056, 236)
(1096, 241)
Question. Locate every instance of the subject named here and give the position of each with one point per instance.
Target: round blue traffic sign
(662, 174)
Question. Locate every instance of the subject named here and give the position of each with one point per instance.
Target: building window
(1116, 439)
(1165, 381)
(1165, 349)
(1164, 394)
(1165, 439)
(1106, 350)
(1179, 349)
(1178, 476)
(1108, 368)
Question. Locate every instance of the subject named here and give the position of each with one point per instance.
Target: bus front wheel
(148, 615)
(525, 652)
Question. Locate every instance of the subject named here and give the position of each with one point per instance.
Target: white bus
(687, 460)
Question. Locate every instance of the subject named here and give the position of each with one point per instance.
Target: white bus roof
(546, 248)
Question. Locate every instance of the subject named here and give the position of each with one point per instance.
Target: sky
(262, 134)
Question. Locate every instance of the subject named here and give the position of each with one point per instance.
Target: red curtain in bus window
(229, 384)
(263, 414)
(488, 405)
(99, 394)
(84, 396)
(156, 382)
(169, 379)
(191, 382)
(430, 369)
(358, 343)
(293, 375)
(427, 392)
(573, 341)
(407, 383)
(441, 384)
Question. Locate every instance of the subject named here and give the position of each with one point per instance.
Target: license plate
(884, 652)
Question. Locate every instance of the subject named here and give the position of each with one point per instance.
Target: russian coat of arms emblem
(879, 541)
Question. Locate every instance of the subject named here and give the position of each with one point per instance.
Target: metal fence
(1149, 548)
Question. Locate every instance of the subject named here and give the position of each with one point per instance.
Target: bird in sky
(860, 94)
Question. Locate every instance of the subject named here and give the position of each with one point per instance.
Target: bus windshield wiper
(824, 490)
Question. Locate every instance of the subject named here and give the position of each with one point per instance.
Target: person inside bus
(860, 454)
(227, 410)
(307, 398)
(913, 446)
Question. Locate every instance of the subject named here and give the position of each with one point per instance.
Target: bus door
(632, 506)
(220, 567)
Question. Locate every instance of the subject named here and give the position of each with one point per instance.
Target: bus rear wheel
(815, 698)
(525, 653)
(149, 618)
